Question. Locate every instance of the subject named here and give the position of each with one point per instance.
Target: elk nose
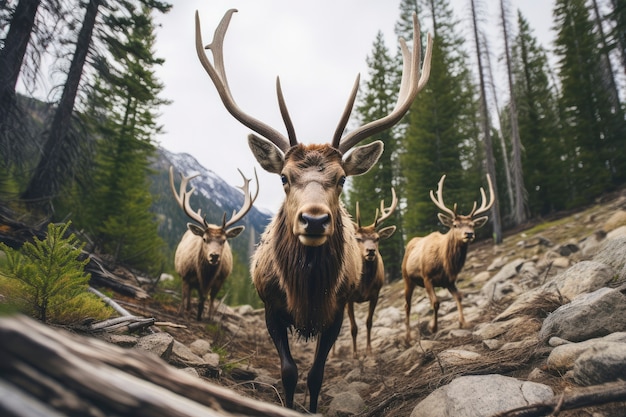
(214, 258)
(314, 224)
(469, 235)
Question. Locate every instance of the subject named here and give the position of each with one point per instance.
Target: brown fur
(371, 280)
(436, 260)
(192, 264)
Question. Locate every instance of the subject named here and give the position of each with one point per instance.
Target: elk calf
(308, 261)
(203, 257)
(373, 273)
(436, 260)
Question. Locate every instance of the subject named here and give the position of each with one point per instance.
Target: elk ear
(234, 231)
(445, 220)
(480, 222)
(386, 232)
(362, 158)
(267, 154)
(195, 229)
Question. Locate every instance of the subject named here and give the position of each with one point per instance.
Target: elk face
(463, 226)
(214, 240)
(313, 177)
(368, 239)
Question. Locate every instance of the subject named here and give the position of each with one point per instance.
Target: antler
(182, 197)
(483, 205)
(483, 198)
(386, 212)
(439, 200)
(247, 204)
(413, 81)
(218, 76)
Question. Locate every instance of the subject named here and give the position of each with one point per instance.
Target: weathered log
(51, 372)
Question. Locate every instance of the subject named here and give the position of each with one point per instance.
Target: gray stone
(346, 403)
(160, 344)
(182, 356)
(581, 278)
(563, 357)
(591, 315)
(200, 347)
(481, 396)
(601, 363)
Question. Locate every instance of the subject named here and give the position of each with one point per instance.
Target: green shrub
(46, 279)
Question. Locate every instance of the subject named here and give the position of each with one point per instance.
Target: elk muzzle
(314, 224)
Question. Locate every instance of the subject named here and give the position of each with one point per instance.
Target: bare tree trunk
(605, 64)
(56, 157)
(519, 212)
(11, 59)
(490, 160)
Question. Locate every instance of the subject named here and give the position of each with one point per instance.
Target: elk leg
(458, 296)
(201, 300)
(434, 303)
(186, 299)
(325, 341)
(353, 328)
(369, 322)
(288, 368)
(409, 286)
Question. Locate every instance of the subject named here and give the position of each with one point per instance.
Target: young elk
(436, 260)
(373, 273)
(308, 261)
(203, 257)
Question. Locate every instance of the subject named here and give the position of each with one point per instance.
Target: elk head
(463, 226)
(213, 236)
(369, 236)
(313, 175)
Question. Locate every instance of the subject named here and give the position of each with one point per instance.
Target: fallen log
(51, 372)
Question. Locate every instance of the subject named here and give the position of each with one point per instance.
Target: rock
(616, 220)
(452, 357)
(161, 344)
(507, 272)
(346, 403)
(613, 253)
(200, 347)
(617, 233)
(494, 329)
(211, 359)
(182, 356)
(563, 357)
(601, 363)
(478, 396)
(590, 315)
(581, 278)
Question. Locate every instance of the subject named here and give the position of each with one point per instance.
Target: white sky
(317, 49)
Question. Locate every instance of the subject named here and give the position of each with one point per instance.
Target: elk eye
(284, 179)
(342, 180)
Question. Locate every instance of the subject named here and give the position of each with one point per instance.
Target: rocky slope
(546, 312)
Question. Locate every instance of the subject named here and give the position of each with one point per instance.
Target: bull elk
(307, 262)
(203, 257)
(436, 259)
(373, 272)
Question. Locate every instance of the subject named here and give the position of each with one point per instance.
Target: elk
(203, 257)
(307, 261)
(435, 260)
(373, 272)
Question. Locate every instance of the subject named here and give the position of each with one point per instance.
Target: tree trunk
(519, 212)
(55, 161)
(490, 160)
(11, 59)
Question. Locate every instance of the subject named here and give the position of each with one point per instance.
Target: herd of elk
(308, 260)
(436, 259)
(373, 272)
(203, 257)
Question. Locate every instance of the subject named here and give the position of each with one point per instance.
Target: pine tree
(375, 102)
(124, 101)
(441, 131)
(594, 128)
(544, 171)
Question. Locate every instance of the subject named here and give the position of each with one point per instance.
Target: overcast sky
(317, 48)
